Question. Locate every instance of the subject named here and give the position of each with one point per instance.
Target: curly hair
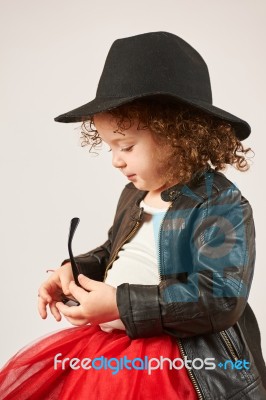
(196, 139)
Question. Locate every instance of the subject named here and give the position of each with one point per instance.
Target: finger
(66, 278)
(50, 291)
(42, 308)
(69, 312)
(54, 311)
(44, 294)
(89, 284)
(77, 292)
(65, 285)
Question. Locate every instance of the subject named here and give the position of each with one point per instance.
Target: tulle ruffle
(33, 373)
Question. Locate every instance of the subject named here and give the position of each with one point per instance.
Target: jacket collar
(173, 192)
(169, 194)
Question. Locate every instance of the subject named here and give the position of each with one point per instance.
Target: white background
(52, 54)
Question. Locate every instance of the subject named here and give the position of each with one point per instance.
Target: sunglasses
(75, 269)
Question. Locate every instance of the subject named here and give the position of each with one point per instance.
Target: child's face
(135, 152)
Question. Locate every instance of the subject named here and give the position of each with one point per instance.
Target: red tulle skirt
(87, 363)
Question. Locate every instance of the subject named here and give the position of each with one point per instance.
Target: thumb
(76, 291)
(89, 284)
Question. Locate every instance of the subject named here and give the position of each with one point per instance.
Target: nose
(118, 161)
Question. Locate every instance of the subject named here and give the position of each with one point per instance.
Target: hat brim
(99, 105)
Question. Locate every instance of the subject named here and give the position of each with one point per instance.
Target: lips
(131, 176)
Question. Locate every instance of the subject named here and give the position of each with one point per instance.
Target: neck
(153, 199)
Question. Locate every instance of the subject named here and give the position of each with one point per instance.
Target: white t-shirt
(137, 261)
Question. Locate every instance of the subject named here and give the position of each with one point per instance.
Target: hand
(97, 306)
(50, 292)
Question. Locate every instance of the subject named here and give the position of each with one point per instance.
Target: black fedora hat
(154, 64)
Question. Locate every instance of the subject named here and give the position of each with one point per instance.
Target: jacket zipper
(180, 345)
(159, 241)
(226, 340)
(190, 373)
(228, 344)
(131, 233)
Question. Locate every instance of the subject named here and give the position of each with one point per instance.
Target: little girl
(163, 306)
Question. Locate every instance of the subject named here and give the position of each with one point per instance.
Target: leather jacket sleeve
(205, 284)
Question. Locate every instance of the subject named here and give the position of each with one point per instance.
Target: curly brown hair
(197, 139)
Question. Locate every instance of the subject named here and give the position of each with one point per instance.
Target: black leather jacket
(206, 261)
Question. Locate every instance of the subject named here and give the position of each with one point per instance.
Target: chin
(141, 186)
(144, 187)
(138, 186)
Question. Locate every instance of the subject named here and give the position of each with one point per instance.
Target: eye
(127, 148)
